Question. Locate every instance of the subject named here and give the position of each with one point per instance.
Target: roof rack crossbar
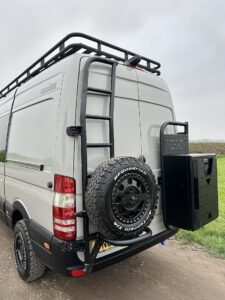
(64, 50)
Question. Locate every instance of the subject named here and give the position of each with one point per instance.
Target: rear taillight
(64, 223)
(64, 185)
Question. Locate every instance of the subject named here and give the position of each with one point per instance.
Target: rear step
(123, 243)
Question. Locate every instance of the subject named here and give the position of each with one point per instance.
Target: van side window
(4, 121)
(32, 133)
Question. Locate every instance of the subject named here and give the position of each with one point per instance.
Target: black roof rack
(61, 50)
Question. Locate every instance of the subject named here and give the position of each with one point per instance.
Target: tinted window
(32, 134)
(3, 134)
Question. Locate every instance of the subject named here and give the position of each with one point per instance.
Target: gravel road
(174, 271)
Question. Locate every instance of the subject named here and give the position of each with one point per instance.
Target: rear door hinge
(80, 214)
(160, 180)
(74, 130)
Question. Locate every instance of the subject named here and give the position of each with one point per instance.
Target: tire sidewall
(118, 227)
(24, 271)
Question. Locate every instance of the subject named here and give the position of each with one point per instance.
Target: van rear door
(155, 108)
(127, 139)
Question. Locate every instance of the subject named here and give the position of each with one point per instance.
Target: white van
(92, 168)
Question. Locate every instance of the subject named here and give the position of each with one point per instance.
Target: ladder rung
(98, 117)
(99, 145)
(100, 91)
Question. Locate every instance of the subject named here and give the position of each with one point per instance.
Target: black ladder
(87, 90)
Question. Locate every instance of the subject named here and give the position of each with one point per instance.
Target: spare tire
(121, 197)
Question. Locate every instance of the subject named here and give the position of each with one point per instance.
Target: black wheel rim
(20, 250)
(130, 199)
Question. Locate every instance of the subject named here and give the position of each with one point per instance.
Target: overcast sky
(186, 37)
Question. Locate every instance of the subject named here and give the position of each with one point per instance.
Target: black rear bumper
(62, 256)
(132, 250)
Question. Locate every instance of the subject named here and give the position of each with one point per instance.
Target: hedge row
(218, 148)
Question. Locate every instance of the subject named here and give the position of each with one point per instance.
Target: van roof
(92, 45)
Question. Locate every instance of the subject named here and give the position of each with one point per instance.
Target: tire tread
(94, 197)
(36, 267)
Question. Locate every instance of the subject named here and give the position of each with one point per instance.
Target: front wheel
(28, 265)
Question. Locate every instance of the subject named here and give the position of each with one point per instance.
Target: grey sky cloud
(187, 37)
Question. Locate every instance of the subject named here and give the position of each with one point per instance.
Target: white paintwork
(46, 105)
(5, 106)
(32, 140)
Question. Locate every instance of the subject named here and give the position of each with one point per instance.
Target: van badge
(49, 88)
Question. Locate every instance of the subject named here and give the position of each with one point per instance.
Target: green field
(211, 236)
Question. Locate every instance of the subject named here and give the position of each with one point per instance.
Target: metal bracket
(80, 214)
(170, 144)
(160, 180)
(74, 131)
(93, 255)
(123, 243)
(134, 61)
(73, 247)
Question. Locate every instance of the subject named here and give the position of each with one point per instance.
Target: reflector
(78, 273)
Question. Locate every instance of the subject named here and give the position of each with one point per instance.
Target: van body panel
(5, 107)
(152, 116)
(41, 85)
(65, 145)
(127, 131)
(153, 89)
(35, 199)
(6, 104)
(30, 162)
(155, 106)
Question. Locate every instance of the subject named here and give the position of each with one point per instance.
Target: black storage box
(190, 190)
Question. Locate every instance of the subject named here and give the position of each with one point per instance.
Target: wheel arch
(19, 212)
